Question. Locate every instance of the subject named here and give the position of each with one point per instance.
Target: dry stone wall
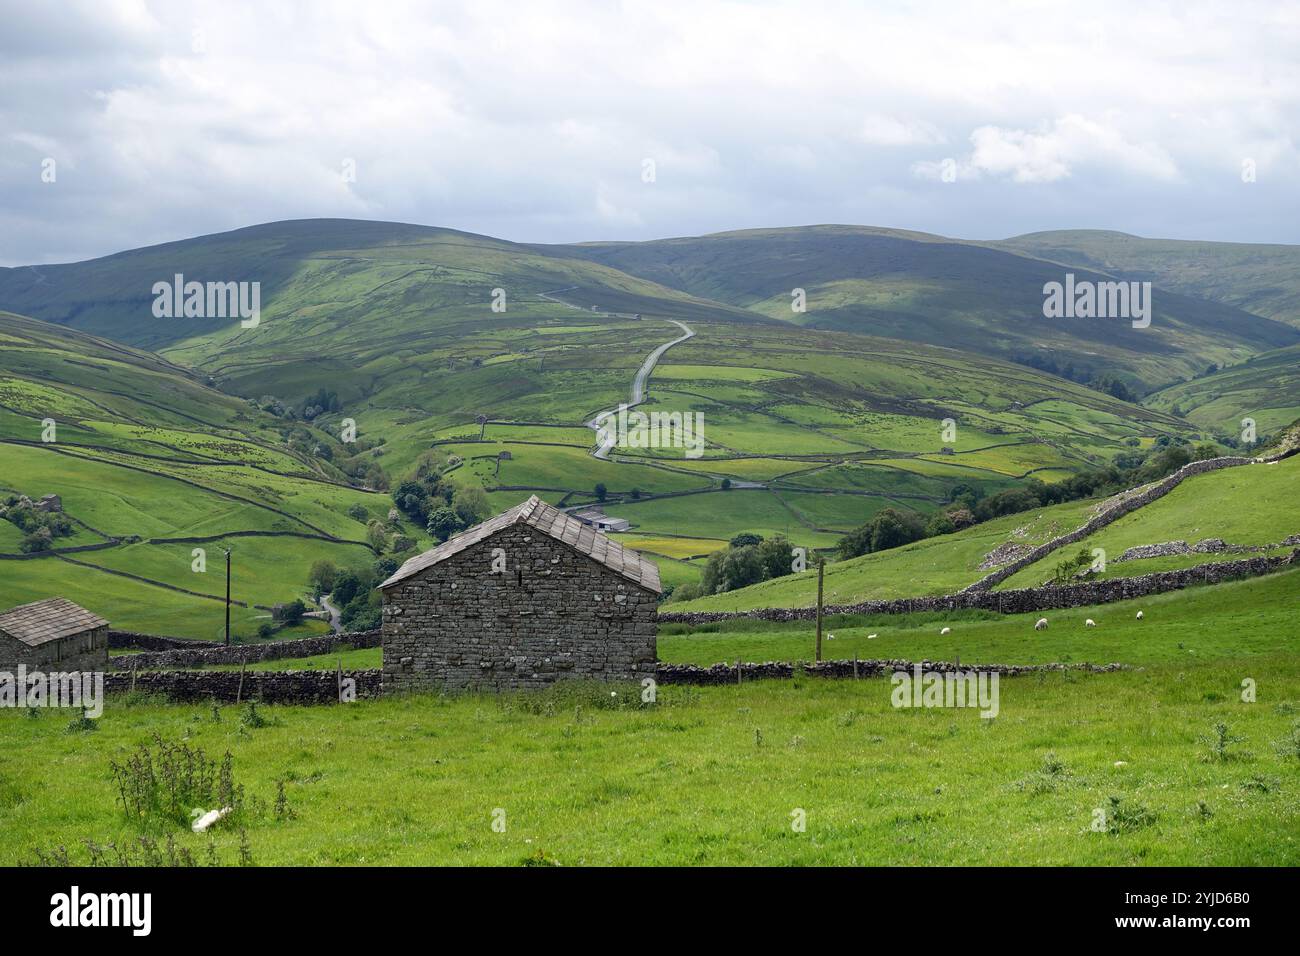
(271, 687)
(727, 673)
(154, 642)
(248, 653)
(1128, 503)
(1019, 601)
(553, 613)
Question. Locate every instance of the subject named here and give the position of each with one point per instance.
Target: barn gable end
(521, 600)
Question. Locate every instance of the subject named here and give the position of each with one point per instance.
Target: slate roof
(553, 523)
(48, 620)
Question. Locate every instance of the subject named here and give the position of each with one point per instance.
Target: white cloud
(880, 130)
(530, 121)
(1070, 141)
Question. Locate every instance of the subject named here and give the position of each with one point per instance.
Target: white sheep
(872, 637)
(1041, 625)
(207, 819)
(1090, 623)
(946, 630)
(1139, 615)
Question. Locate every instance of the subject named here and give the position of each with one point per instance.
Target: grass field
(586, 774)
(1250, 505)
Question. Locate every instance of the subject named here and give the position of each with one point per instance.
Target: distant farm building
(601, 521)
(521, 600)
(54, 634)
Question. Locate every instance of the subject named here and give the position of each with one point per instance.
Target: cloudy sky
(567, 121)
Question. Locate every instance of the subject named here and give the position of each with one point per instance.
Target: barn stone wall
(80, 652)
(554, 613)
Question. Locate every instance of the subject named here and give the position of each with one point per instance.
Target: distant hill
(926, 288)
(331, 279)
(1256, 277)
(1265, 388)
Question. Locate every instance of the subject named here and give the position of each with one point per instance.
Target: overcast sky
(534, 121)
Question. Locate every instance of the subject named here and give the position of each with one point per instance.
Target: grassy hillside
(1254, 505)
(1256, 277)
(1251, 505)
(878, 784)
(929, 289)
(144, 452)
(1265, 388)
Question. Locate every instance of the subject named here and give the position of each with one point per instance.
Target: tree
(731, 568)
(321, 576)
(601, 491)
(377, 536)
(470, 502)
(940, 523)
(357, 513)
(293, 611)
(726, 484)
(443, 523)
(744, 538)
(961, 518)
(891, 528)
(775, 556)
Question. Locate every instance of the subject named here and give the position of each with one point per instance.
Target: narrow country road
(333, 612)
(607, 441)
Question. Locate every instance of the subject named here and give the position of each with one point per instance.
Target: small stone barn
(54, 635)
(521, 600)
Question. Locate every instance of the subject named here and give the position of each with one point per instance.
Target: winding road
(608, 441)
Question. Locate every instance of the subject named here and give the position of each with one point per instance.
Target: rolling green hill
(814, 427)
(1265, 388)
(926, 288)
(142, 453)
(1256, 277)
(1251, 505)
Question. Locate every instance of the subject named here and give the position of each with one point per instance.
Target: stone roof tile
(49, 620)
(554, 523)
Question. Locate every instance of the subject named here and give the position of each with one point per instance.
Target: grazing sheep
(872, 637)
(1041, 625)
(946, 630)
(1139, 615)
(1090, 623)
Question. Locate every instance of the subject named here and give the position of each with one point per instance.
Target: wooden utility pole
(227, 597)
(821, 570)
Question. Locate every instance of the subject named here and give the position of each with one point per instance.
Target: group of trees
(40, 528)
(968, 505)
(426, 498)
(1106, 382)
(353, 590)
(747, 559)
(439, 506)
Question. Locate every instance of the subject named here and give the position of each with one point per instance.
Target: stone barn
(54, 635)
(521, 600)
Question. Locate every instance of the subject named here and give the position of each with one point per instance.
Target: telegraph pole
(821, 569)
(227, 550)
